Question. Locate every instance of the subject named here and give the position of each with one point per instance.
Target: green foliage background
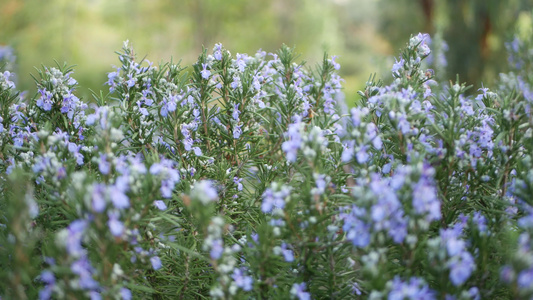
(362, 32)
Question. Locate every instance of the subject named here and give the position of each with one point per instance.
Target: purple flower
(329, 104)
(421, 42)
(217, 248)
(218, 51)
(237, 131)
(398, 65)
(274, 199)
(45, 101)
(111, 80)
(361, 155)
(356, 229)
(425, 201)
(236, 82)
(461, 267)
(240, 61)
(205, 72)
(197, 151)
(451, 238)
(187, 143)
(168, 174)
(403, 124)
(160, 205)
(335, 64)
(414, 289)
(466, 105)
(61, 173)
(348, 150)
(204, 191)
(255, 237)
(103, 164)
(82, 267)
(298, 290)
(171, 103)
(101, 114)
(48, 277)
(164, 110)
(79, 158)
(156, 262)
(320, 182)
(294, 142)
(6, 75)
(98, 198)
(50, 261)
(475, 151)
(241, 280)
(288, 255)
(236, 112)
(525, 279)
(480, 221)
(116, 227)
(474, 293)
(45, 293)
(256, 83)
(356, 115)
(238, 181)
(122, 183)
(372, 135)
(125, 294)
(119, 198)
(75, 231)
(72, 147)
(131, 81)
(507, 274)
(387, 213)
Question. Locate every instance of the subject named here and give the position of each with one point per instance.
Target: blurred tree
(427, 8)
(398, 19)
(475, 31)
(364, 50)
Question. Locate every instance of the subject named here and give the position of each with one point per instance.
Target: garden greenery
(246, 177)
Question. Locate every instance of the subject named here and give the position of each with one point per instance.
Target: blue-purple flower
(287, 253)
(357, 230)
(298, 290)
(116, 227)
(75, 233)
(241, 280)
(205, 72)
(274, 198)
(414, 289)
(294, 139)
(205, 192)
(217, 248)
(156, 262)
(160, 204)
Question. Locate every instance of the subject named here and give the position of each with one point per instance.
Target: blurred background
(365, 34)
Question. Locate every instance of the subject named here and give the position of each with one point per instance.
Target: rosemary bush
(246, 177)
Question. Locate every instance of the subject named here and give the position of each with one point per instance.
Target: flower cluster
(247, 178)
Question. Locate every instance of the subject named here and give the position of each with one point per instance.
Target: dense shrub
(247, 177)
